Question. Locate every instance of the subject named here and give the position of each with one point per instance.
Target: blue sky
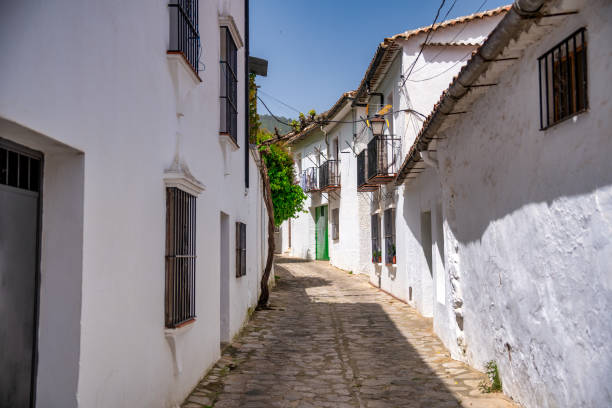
(318, 49)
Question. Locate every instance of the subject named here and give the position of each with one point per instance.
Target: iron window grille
(19, 170)
(375, 229)
(389, 236)
(383, 158)
(180, 257)
(240, 249)
(362, 181)
(563, 80)
(184, 34)
(335, 218)
(329, 175)
(229, 85)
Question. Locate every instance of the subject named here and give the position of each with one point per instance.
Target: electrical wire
(446, 70)
(424, 43)
(279, 101)
(452, 39)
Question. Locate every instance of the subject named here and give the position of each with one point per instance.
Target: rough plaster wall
(127, 131)
(418, 196)
(529, 218)
(434, 70)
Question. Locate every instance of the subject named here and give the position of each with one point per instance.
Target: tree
(283, 198)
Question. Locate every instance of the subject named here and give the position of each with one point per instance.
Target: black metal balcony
(383, 159)
(329, 175)
(309, 180)
(362, 181)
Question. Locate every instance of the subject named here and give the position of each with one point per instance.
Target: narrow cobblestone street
(332, 340)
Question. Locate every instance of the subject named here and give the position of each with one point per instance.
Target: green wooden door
(321, 233)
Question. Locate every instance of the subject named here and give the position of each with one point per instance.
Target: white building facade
(524, 183)
(492, 216)
(133, 199)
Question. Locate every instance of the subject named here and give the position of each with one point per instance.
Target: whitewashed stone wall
(529, 231)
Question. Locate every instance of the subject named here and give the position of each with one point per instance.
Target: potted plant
(392, 253)
(376, 255)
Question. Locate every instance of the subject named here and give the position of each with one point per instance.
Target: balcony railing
(362, 181)
(383, 159)
(184, 35)
(329, 175)
(309, 180)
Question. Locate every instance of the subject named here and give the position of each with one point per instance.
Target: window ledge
(174, 337)
(179, 58)
(226, 139)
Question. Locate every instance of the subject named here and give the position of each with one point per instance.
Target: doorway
(224, 277)
(20, 181)
(321, 236)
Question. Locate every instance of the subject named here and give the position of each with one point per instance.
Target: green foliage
(312, 113)
(494, 384)
(287, 197)
(254, 123)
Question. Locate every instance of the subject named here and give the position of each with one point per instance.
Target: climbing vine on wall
(287, 197)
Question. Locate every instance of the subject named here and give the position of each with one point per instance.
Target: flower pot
(393, 258)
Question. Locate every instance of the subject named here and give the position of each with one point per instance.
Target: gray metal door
(20, 176)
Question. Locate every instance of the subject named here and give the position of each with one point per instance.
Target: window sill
(226, 139)
(174, 337)
(186, 324)
(180, 57)
(573, 117)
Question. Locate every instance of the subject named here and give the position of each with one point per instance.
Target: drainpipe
(246, 95)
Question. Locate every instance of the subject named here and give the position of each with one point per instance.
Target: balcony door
(321, 241)
(20, 175)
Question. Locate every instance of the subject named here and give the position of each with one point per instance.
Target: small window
(335, 219)
(229, 85)
(180, 256)
(390, 236)
(376, 248)
(563, 80)
(240, 249)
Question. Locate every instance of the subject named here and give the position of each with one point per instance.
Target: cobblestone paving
(332, 340)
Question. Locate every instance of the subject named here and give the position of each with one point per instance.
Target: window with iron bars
(375, 229)
(240, 249)
(390, 236)
(19, 170)
(184, 34)
(229, 85)
(335, 219)
(180, 257)
(563, 80)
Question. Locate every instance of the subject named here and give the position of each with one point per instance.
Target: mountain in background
(269, 123)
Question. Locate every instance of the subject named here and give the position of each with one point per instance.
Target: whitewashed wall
(303, 226)
(95, 78)
(347, 251)
(529, 231)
